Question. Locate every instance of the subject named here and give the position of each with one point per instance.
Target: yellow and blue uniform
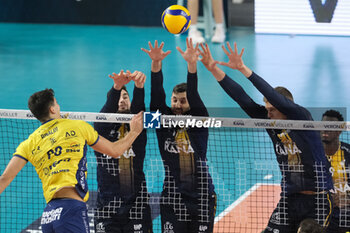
(340, 170)
(57, 150)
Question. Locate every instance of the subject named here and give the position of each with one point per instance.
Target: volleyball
(176, 19)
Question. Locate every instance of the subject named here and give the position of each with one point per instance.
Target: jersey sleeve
(89, 133)
(23, 150)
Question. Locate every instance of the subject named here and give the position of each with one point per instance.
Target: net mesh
(240, 160)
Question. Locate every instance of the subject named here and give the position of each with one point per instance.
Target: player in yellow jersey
(338, 154)
(57, 150)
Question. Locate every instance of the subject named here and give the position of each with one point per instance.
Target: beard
(123, 111)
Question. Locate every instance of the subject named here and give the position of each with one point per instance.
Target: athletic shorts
(135, 220)
(340, 221)
(65, 216)
(291, 210)
(188, 216)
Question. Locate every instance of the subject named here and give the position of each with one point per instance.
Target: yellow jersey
(57, 150)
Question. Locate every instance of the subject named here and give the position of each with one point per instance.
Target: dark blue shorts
(133, 219)
(340, 221)
(65, 216)
(187, 215)
(291, 210)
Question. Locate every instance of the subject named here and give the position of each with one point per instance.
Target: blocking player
(122, 199)
(57, 150)
(306, 179)
(338, 154)
(188, 197)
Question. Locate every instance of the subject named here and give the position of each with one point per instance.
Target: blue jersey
(183, 150)
(121, 179)
(297, 151)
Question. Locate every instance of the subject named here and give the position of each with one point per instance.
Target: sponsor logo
(100, 228)
(287, 149)
(29, 115)
(72, 150)
(168, 228)
(49, 168)
(137, 227)
(151, 120)
(123, 118)
(50, 132)
(308, 126)
(203, 228)
(8, 114)
(173, 147)
(238, 123)
(341, 126)
(70, 134)
(77, 117)
(101, 118)
(52, 215)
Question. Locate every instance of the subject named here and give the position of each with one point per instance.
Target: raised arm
(191, 55)
(232, 88)
(117, 148)
(157, 91)
(13, 168)
(113, 96)
(138, 100)
(289, 108)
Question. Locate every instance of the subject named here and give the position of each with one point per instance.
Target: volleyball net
(240, 161)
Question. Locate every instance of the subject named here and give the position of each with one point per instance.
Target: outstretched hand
(191, 53)
(207, 58)
(156, 53)
(139, 78)
(235, 60)
(120, 79)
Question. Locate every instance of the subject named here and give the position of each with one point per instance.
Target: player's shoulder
(345, 147)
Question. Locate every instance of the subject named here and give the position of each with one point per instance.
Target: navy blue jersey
(183, 150)
(122, 179)
(297, 151)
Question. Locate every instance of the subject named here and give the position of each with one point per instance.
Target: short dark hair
(333, 113)
(124, 88)
(40, 102)
(310, 225)
(179, 88)
(283, 91)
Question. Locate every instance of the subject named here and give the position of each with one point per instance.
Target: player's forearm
(192, 67)
(4, 182)
(156, 66)
(120, 146)
(218, 74)
(246, 71)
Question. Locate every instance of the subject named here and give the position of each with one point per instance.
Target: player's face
(273, 113)
(124, 102)
(330, 136)
(179, 103)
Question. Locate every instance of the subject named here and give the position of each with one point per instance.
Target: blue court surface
(75, 60)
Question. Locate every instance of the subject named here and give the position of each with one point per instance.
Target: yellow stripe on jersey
(57, 150)
(338, 170)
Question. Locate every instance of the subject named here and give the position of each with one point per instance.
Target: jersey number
(57, 151)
